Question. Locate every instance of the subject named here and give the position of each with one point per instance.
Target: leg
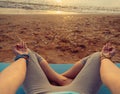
(88, 80)
(12, 77)
(37, 75)
(36, 80)
(72, 72)
(50, 73)
(110, 75)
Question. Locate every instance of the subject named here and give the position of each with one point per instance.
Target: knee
(93, 57)
(29, 50)
(96, 55)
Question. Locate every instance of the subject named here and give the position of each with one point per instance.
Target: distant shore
(24, 11)
(59, 38)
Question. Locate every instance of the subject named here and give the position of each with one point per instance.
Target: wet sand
(59, 38)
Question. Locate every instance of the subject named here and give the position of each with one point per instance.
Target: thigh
(36, 80)
(88, 80)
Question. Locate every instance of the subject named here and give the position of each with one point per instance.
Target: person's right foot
(64, 81)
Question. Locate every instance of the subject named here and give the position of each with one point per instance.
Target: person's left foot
(108, 51)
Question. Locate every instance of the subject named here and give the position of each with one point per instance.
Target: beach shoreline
(59, 38)
(17, 11)
(20, 11)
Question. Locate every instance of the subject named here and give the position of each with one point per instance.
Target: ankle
(62, 80)
(24, 56)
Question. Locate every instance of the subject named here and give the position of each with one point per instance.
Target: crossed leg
(62, 79)
(50, 73)
(73, 71)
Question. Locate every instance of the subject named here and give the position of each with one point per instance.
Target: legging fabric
(86, 82)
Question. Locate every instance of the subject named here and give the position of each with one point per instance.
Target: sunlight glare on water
(58, 1)
(23, 11)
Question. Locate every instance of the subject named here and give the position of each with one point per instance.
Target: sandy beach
(59, 38)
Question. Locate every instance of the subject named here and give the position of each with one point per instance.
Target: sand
(59, 38)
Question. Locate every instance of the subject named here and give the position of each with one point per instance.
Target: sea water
(38, 8)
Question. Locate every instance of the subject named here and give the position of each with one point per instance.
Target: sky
(101, 3)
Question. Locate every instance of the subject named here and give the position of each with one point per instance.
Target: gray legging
(86, 82)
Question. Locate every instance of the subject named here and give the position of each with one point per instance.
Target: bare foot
(64, 81)
(108, 51)
(20, 48)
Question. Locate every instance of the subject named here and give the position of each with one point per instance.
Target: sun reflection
(55, 12)
(59, 12)
(58, 1)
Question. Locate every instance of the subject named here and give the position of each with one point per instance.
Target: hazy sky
(103, 3)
